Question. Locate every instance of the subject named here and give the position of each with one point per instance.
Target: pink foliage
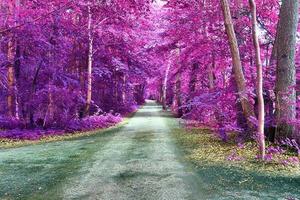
(134, 43)
(85, 124)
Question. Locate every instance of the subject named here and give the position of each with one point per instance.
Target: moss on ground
(204, 148)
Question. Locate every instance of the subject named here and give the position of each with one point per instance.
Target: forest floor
(140, 160)
(13, 143)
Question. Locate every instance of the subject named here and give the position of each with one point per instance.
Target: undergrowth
(11, 143)
(204, 148)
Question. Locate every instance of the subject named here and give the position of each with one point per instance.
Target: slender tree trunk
(177, 94)
(124, 89)
(211, 76)
(50, 110)
(90, 63)
(259, 81)
(219, 117)
(165, 83)
(273, 56)
(193, 79)
(12, 103)
(32, 92)
(237, 65)
(192, 85)
(11, 77)
(82, 71)
(160, 92)
(17, 62)
(17, 68)
(286, 70)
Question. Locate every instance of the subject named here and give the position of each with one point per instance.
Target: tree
(11, 77)
(90, 62)
(12, 101)
(259, 81)
(165, 85)
(286, 70)
(237, 64)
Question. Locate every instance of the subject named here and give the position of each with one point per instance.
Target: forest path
(140, 162)
(137, 161)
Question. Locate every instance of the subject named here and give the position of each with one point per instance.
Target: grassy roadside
(204, 149)
(6, 143)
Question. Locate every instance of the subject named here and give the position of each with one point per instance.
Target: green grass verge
(7, 143)
(203, 148)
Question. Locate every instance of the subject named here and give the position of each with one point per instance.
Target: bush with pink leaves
(291, 161)
(34, 134)
(85, 124)
(10, 123)
(93, 122)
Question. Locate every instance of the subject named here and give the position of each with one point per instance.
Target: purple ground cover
(85, 124)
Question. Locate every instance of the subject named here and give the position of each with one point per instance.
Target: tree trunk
(11, 78)
(124, 89)
(211, 76)
(164, 97)
(285, 70)
(237, 65)
(90, 63)
(160, 92)
(273, 56)
(177, 94)
(13, 8)
(259, 81)
(193, 79)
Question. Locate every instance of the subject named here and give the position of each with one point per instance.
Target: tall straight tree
(13, 7)
(90, 62)
(259, 81)
(11, 76)
(165, 85)
(285, 70)
(177, 91)
(237, 64)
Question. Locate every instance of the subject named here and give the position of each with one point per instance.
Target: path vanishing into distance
(137, 161)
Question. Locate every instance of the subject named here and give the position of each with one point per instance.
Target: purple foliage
(54, 51)
(268, 157)
(34, 134)
(49, 57)
(10, 123)
(86, 124)
(93, 122)
(291, 143)
(275, 150)
(294, 161)
(223, 135)
(234, 156)
(241, 145)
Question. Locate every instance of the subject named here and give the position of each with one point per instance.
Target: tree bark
(247, 108)
(259, 81)
(11, 78)
(12, 101)
(193, 79)
(177, 94)
(285, 69)
(124, 88)
(211, 76)
(273, 55)
(165, 83)
(90, 63)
